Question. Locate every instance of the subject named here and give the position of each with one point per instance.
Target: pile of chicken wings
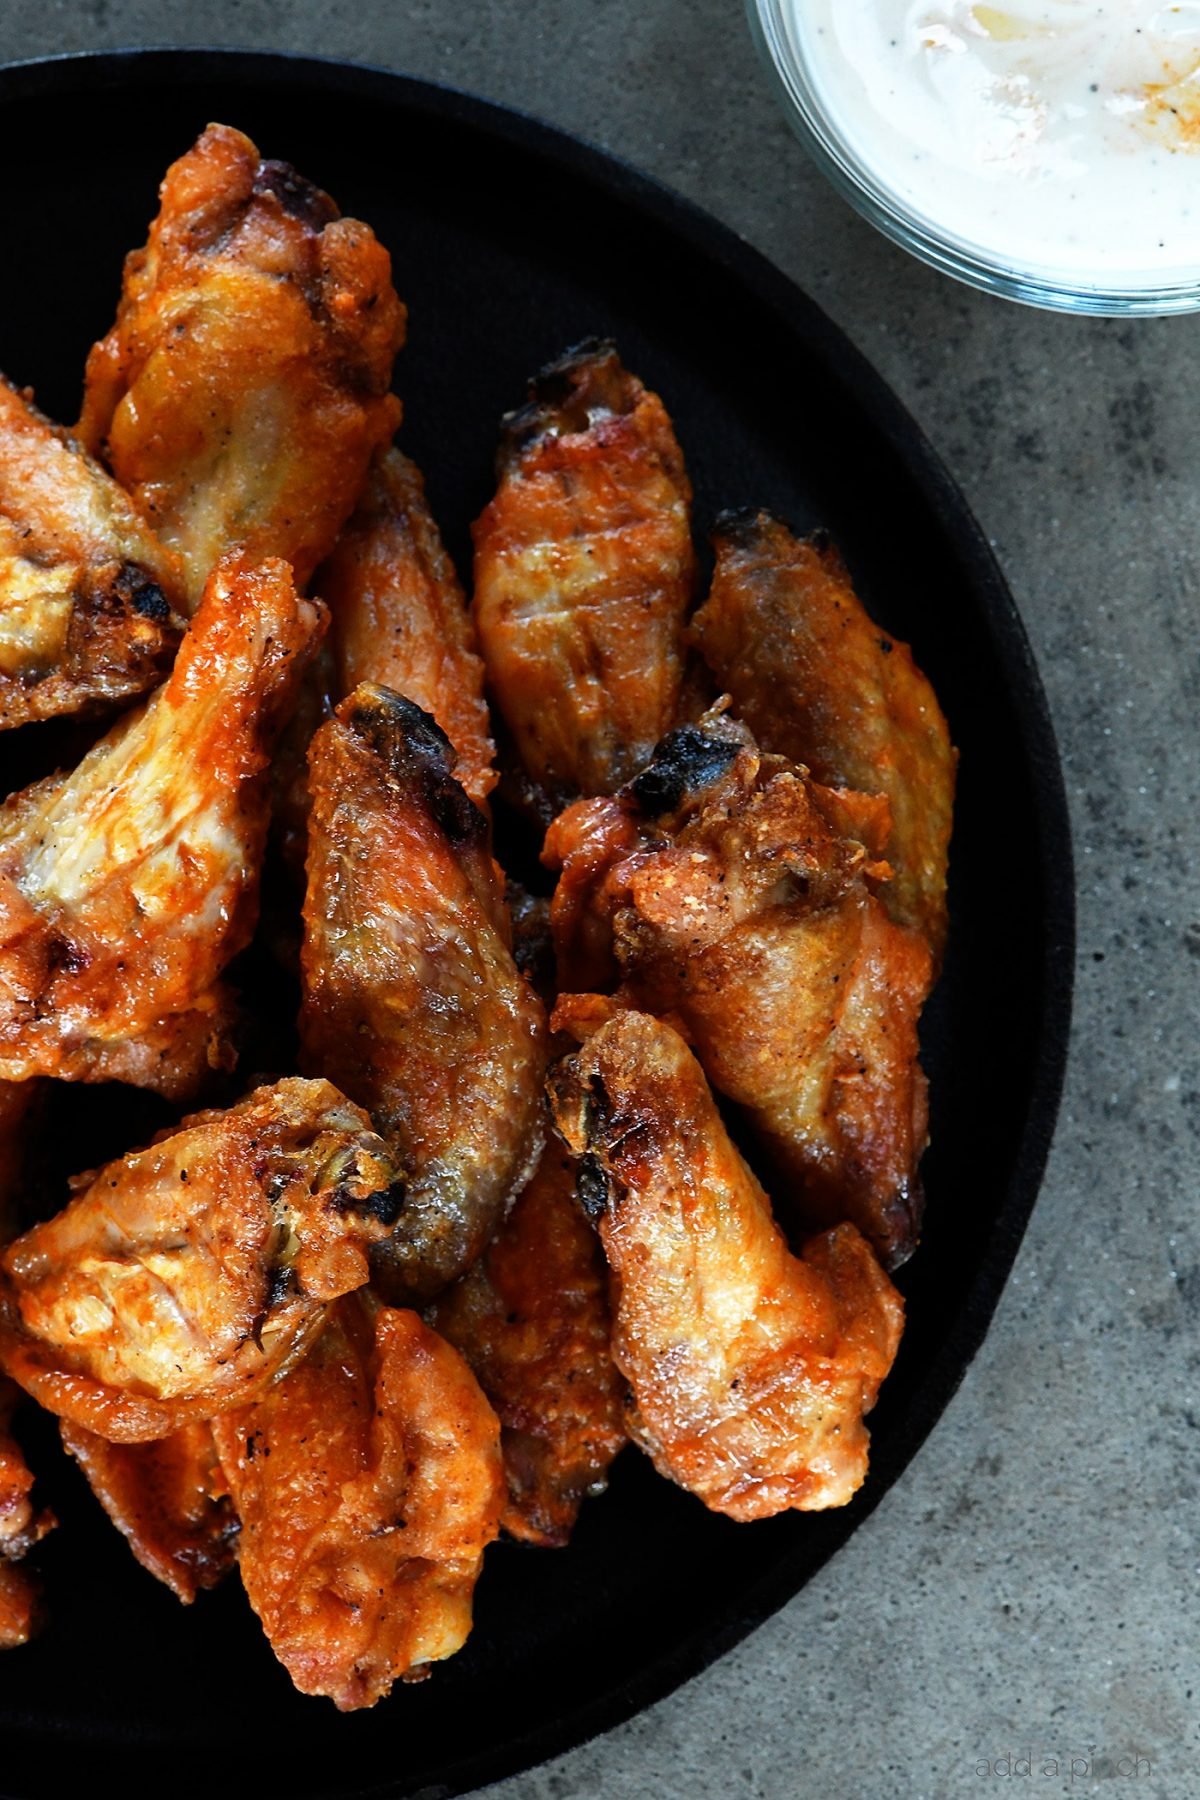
(624, 1154)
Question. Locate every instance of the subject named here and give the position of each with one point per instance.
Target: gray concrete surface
(1031, 1583)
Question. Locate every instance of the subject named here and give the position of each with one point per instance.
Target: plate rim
(711, 239)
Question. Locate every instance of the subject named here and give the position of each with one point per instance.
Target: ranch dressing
(1060, 135)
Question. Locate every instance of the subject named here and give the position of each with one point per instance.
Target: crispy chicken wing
(818, 682)
(243, 389)
(751, 1369)
(87, 597)
(186, 1277)
(369, 1484)
(583, 574)
(412, 1000)
(128, 884)
(167, 1499)
(532, 1320)
(21, 1527)
(399, 619)
(745, 913)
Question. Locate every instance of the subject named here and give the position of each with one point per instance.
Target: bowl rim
(1052, 859)
(944, 250)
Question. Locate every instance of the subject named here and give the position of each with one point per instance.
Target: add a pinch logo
(1085, 1762)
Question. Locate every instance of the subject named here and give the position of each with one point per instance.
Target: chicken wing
(167, 1499)
(127, 885)
(243, 389)
(532, 1320)
(818, 682)
(87, 597)
(583, 574)
(21, 1527)
(369, 1484)
(399, 619)
(750, 1368)
(745, 913)
(185, 1277)
(412, 1000)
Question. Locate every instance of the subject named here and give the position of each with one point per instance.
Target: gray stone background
(1032, 1580)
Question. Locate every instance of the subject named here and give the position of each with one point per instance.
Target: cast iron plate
(510, 242)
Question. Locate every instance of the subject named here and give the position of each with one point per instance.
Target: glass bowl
(867, 189)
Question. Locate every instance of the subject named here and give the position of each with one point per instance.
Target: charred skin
(21, 1527)
(744, 910)
(243, 388)
(399, 618)
(88, 598)
(583, 575)
(168, 1501)
(127, 885)
(185, 1278)
(750, 1368)
(412, 999)
(369, 1484)
(532, 1319)
(817, 681)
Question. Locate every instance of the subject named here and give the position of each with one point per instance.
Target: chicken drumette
(532, 1319)
(368, 1483)
(583, 574)
(734, 893)
(750, 1368)
(817, 681)
(243, 389)
(127, 885)
(412, 1000)
(398, 617)
(185, 1278)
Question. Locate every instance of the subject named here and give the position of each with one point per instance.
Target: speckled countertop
(1030, 1584)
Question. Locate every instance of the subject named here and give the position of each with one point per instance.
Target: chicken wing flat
(532, 1319)
(21, 1527)
(369, 1484)
(750, 1368)
(412, 1000)
(185, 1277)
(746, 915)
(243, 389)
(399, 619)
(128, 884)
(583, 574)
(167, 1499)
(818, 682)
(87, 597)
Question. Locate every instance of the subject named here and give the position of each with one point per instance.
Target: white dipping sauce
(1054, 134)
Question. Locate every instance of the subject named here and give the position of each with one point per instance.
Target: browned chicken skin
(127, 885)
(243, 389)
(818, 682)
(186, 1277)
(412, 1000)
(369, 1484)
(532, 1320)
(583, 574)
(167, 1499)
(87, 597)
(399, 619)
(744, 912)
(21, 1527)
(751, 1369)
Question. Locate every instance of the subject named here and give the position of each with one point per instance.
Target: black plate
(510, 242)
